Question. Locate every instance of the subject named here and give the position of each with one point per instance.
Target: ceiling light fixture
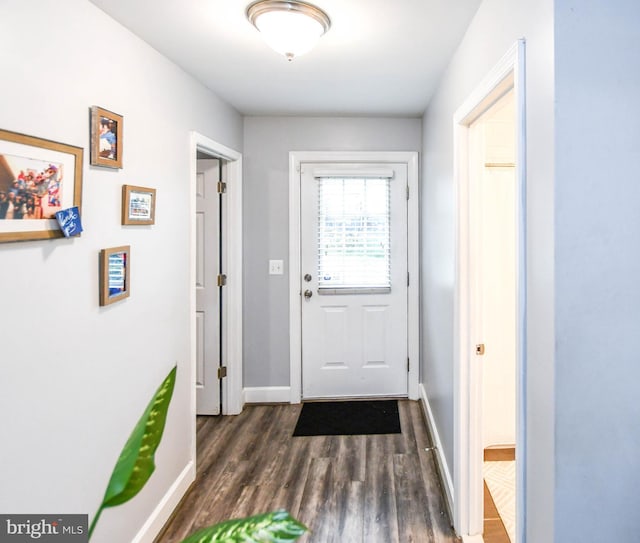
(290, 27)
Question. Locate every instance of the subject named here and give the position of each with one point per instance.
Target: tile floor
(500, 506)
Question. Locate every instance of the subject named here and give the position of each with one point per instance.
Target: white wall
(267, 142)
(496, 26)
(597, 270)
(76, 377)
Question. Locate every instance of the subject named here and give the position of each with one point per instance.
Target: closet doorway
(489, 328)
(216, 278)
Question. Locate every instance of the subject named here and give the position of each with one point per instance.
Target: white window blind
(354, 233)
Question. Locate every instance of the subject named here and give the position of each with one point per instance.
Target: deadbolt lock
(307, 277)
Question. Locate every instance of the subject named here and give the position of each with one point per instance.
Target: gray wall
(267, 142)
(496, 26)
(76, 377)
(597, 270)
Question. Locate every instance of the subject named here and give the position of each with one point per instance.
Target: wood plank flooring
(346, 489)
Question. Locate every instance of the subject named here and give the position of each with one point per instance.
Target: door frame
(231, 265)
(508, 73)
(296, 158)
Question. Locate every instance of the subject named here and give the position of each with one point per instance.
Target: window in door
(354, 235)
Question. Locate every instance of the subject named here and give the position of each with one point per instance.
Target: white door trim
(468, 506)
(232, 267)
(295, 303)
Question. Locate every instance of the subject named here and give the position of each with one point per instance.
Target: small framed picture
(138, 205)
(115, 266)
(106, 138)
(38, 178)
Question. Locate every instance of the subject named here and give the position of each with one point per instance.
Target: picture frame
(138, 205)
(115, 271)
(38, 178)
(106, 138)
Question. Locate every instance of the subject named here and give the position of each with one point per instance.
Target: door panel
(207, 290)
(375, 323)
(335, 326)
(354, 274)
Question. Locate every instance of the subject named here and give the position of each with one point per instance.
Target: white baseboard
(267, 394)
(151, 528)
(472, 539)
(443, 467)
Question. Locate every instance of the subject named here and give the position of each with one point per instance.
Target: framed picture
(114, 274)
(106, 138)
(38, 178)
(138, 205)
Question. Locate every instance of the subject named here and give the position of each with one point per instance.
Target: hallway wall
(76, 377)
(597, 262)
(495, 28)
(267, 142)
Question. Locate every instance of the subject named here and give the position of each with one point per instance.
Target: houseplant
(137, 463)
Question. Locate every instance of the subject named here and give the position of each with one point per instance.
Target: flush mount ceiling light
(290, 27)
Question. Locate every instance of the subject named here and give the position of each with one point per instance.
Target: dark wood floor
(346, 489)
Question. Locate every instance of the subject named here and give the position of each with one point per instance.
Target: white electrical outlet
(276, 267)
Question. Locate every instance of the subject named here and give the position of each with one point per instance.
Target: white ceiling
(380, 57)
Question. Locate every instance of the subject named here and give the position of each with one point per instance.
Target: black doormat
(348, 418)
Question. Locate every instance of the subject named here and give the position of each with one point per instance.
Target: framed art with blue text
(38, 178)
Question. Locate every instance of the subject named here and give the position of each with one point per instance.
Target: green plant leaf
(136, 462)
(276, 527)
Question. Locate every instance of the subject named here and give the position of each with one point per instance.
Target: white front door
(354, 280)
(207, 289)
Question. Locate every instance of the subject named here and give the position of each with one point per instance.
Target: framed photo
(138, 205)
(114, 274)
(38, 178)
(106, 138)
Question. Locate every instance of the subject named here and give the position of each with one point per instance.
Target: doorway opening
(215, 259)
(493, 244)
(489, 331)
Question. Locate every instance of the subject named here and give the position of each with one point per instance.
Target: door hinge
(408, 366)
(222, 187)
(222, 280)
(407, 278)
(407, 192)
(480, 349)
(222, 372)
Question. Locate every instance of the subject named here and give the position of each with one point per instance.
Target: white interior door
(354, 280)
(207, 289)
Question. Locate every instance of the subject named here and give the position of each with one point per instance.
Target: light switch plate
(276, 267)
